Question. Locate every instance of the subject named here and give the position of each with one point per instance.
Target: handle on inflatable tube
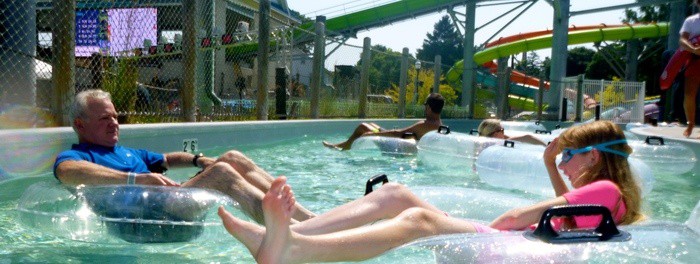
(558, 126)
(374, 181)
(606, 230)
(509, 144)
(408, 135)
(474, 132)
(446, 128)
(543, 132)
(654, 140)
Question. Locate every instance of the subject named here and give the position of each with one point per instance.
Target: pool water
(321, 179)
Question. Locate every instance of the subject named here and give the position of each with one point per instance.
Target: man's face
(100, 127)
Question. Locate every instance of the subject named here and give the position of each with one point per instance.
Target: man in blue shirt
(97, 159)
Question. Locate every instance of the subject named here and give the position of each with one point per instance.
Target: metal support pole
(639, 106)
(281, 93)
(564, 109)
(501, 93)
(677, 11)
(632, 60)
(559, 52)
(402, 83)
(437, 69)
(317, 66)
(189, 58)
(263, 58)
(468, 87)
(416, 83)
(64, 59)
(579, 98)
(205, 77)
(540, 96)
(364, 77)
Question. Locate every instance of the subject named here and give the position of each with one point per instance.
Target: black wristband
(195, 158)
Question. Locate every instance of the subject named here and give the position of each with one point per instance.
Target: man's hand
(155, 179)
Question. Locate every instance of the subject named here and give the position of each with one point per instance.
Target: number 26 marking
(190, 145)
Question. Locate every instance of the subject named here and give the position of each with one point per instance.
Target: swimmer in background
(493, 128)
(594, 159)
(690, 30)
(98, 159)
(433, 107)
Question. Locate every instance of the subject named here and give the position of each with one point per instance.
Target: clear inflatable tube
(522, 126)
(659, 242)
(482, 205)
(386, 145)
(651, 241)
(452, 150)
(522, 168)
(117, 213)
(667, 157)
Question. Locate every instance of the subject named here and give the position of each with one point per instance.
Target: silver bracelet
(131, 178)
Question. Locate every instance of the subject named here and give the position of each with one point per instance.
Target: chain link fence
(619, 101)
(175, 61)
(156, 68)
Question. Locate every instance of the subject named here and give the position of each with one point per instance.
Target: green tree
(599, 67)
(444, 41)
(385, 69)
(577, 60)
(532, 65)
(426, 79)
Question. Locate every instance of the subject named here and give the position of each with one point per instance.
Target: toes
(278, 184)
(227, 219)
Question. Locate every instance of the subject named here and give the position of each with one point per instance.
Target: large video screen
(114, 32)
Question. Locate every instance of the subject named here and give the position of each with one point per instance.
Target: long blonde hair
(611, 167)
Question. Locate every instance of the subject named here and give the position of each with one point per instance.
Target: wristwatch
(196, 157)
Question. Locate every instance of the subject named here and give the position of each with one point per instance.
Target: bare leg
(386, 202)
(222, 177)
(691, 91)
(348, 245)
(278, 207)
(359, 131)
(258, 177)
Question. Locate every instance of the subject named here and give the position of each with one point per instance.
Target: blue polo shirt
(117, 157)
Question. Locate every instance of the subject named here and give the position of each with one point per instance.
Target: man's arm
(184, 159)
(419, 128)
(73, 172)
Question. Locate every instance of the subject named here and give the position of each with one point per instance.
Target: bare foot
(278, 208)
(250, 234)
(339, 146)
(688, 130)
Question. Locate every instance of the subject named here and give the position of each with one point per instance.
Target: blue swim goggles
(568, 153)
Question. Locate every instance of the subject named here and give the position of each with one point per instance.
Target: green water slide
(382, 15)
(454, 75)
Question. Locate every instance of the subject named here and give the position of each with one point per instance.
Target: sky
(411, 33)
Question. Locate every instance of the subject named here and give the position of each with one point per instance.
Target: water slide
(523, 88)
(527, 86)
(382, 15)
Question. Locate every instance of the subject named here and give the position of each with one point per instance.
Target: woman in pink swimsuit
(594, 159)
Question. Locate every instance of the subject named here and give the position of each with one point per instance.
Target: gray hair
(79, 107)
